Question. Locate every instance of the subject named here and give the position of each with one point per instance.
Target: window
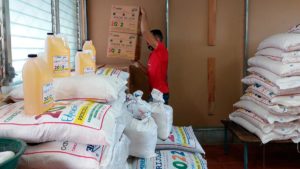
(68, 24)
(29, 22)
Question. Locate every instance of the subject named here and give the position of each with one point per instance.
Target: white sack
(255, 120)
(261, 91)
(296, 139)
(280, 82)
(271, 107)
(139, 108)
(171, 160)
(263, 125)
(112, 72)
(285, 128)
(68, 155)
(265, 138)
(289, 101)
(65, 155)
(17, 94)
(254, 79)
(120, 154)
(280, 55)
(87, 87)
(279, 68)
(78, 121)
(182, 139)
(283, 41)
(263, 113)
(162, 114)
(294, 29)
(143, 137)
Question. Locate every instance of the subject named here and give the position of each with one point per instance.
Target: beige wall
(188, 60)
(98, 12)
(188, 51)
(268, 17)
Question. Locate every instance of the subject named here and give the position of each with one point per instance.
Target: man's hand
(136, 64)
(143, 12)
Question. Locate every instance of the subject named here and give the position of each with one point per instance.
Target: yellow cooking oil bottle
(58, 55)
(84, 63)
(89, 47)
(37, 86)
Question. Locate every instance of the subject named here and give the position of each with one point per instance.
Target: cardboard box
(125, 19)
(123, 45)
(139, 81)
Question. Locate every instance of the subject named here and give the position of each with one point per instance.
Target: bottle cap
(32, 55)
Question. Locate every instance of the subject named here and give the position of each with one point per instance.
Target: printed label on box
(122, 45)
(125, 19)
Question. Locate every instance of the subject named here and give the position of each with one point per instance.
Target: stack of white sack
(270, 107)
(83, 130)
(150, 123)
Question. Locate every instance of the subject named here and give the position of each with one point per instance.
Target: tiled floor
(277, 157)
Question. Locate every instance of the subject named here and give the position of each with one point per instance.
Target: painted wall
(269, 17)
(188, 51)
(188, 60)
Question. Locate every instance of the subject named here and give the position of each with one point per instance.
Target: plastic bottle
(37, 86)
(58, 55)
(89, 47)
(84, 63)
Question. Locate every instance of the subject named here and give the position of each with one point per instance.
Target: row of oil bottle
(39, 71)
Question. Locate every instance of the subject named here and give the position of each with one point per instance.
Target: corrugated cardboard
(124, 19)
(122, 45)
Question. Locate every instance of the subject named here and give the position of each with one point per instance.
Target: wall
(188, 51)
(188, 60)
(98, 12)
(269, 17)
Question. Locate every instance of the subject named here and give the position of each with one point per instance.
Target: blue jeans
(166, 97)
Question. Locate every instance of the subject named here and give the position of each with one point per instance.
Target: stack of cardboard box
(123, 32)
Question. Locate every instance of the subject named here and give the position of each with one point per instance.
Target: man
(158, 60)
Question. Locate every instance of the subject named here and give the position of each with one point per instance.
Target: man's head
(157, 35)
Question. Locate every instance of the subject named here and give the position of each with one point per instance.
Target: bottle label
(48, 93)
(91, 53)
(87, 70)
(60, 64)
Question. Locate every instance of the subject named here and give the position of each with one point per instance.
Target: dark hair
(157, 33)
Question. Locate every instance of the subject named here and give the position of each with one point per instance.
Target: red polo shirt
(158, 68)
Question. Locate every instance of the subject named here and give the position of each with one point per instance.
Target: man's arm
(145, 30)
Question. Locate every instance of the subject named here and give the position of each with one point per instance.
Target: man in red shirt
(158, 60)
